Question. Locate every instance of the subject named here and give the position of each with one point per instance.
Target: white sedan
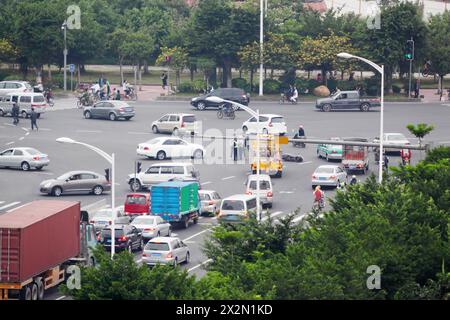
(392, 138)
(170, 147)
(152, 226)
(328, 176)
(268, 124)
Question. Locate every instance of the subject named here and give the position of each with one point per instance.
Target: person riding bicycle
(353, 181)
(319, 198)
(406, 156)
(85, 97)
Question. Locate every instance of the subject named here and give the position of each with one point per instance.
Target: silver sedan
(23, 158)
(165, 250)
(328, 176)
(110, 109)
(152, 226)
(103, 218)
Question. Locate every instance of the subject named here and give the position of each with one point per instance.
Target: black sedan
(127, 237)
(233, 94)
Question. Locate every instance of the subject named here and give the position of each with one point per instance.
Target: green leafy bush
(198, 86)
(11, 77)
(5, 74)
(272, 86)
(185, 87)
(396, 89)
(240, 83)
(57, 82)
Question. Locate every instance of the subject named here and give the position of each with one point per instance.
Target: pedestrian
(101, 81)
(235, 149)
(319, 202)
(351, 77)
(416, 89)
(319, 77)
(33, 117)
(385, 161)
(15, 113)
(117, 94)
(241, 147)
(164, 80)
(108, 89)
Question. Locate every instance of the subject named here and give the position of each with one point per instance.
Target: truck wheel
(195, 220)
(40, 288)
(25, 293)
(34, 292)
(365, 107)
(186, 223)
(326, 107)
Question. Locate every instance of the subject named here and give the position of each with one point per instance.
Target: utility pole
(261, 47)
(410, 56)
(64, 27)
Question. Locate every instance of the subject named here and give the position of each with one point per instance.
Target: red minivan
(137, 204)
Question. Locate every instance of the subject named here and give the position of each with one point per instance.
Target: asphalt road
(292, 191)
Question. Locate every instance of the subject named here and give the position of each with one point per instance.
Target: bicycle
(318, 206)
(228, 113)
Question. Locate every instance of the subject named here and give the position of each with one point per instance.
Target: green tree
(420, 131)
(7, 51)
(178, 60)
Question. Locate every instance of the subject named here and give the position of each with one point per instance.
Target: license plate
(352, 167)
(156, 254)
(322, 178)
(101, 222)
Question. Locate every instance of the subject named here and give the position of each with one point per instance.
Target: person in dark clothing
(164, 80)
(301, 132)
(117, 94)
(416, 89)
(15, 113)
(235, 149)
(33, 117)
(353, 181)
(385, 161)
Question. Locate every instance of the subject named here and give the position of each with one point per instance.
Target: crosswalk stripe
(272, 215)
(2, 202)
(9, 205)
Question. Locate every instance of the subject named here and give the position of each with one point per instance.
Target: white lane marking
(288, 192)
(307, 162)
(272, 215)
(44, 173)
(9, 143)
(214, 218)
(60, 298)
(193, 236)
(21, 138)
(199, 265)
(94, 204)
(444, 142)
(227, 178)
(27, 133)
(205, 223)
(45, 129)
(132, 132)
(25, 129)
(139, 260)
(17, 207)
(205, 183)
(89, 131)
(174, 234)
(298, 218)
(189, 242)
(9, 205)
(2, 202)
(8, 124)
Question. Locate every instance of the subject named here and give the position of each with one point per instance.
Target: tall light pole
(261, 46)
(111, 160)
(65, 52)
(380, 69)
(215, 99)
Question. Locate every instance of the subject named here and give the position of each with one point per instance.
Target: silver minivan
(165, 250)
(237, 208)
(25, 101)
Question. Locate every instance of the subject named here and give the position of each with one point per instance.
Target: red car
(137, 204)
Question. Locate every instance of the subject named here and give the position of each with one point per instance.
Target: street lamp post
(111, 160)
(380, 69)
(258, 155)
(64, 27)
(261, 47)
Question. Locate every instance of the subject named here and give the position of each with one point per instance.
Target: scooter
(298, 144)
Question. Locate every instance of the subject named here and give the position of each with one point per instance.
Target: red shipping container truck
(35, 240)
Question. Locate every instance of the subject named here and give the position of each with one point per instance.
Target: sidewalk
(429, 95)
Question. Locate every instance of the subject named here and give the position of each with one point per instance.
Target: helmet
(353, 177)
(300, 126)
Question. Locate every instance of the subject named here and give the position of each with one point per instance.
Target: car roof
(179, 114)
(14, 81)
(167, 164)
(163, 239)
(138, 194)
(80, 171)
(328, 166)
(261, 176)
(243, 197)
(33, 94)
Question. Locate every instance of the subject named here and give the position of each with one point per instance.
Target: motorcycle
(298, 144)
(84, 101)
(48, 95)
(285, 97)
(226, 112)
(131, 95)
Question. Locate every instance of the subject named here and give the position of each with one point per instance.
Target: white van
(162, 172)
(25, 101)
(265, 188)
(237, 208)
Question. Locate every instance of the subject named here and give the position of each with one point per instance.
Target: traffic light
(107, 174)
(138, 167)
(409, 51)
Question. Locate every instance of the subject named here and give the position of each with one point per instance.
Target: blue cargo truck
(176, 202)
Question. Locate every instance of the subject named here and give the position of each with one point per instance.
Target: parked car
(330, 151)
(162, 172)
(76, 182)
(237, 208)
(14, 86)
(25, 101)
(127, 237)
(232, 94)
(265, 188)
(170, 147)
(347, 100)
(165, 250)
(268, 124)
(23, 158)
(210, 201)
(152, 226)
(137, 204)
(328, 176)
(103, 218)
(176, 124)
(110, 109)
(392, 138)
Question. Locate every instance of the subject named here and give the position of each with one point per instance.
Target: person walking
(15, 113)
(235, 149)
(385, 161)
(164, 80)
(117, 95)
(416, 88)
(33, 117)
(319, 202)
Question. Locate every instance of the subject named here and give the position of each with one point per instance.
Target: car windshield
(64, 176)
(32, 151)
(144, 220)
(263, 185)
(324, 170)
(233, 205)
(107, 233)
(153, 141)
(396, 137)
(278, 120)
(157, 246)
(136, 200)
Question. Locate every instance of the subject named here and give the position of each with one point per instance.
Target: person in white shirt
(294, 95)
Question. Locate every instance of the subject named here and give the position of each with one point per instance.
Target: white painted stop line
(9, 205)
(272, 215)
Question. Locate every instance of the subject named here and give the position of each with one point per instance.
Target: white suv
(175, 123)
(163, 172)
(14, 86)
(268, 124)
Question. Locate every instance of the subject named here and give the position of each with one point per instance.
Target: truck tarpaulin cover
(37, 237)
